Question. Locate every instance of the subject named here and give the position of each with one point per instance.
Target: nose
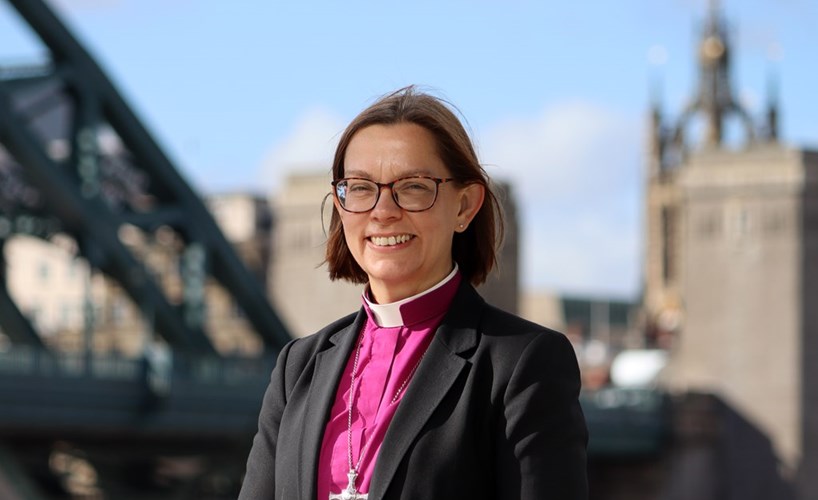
(386, 206)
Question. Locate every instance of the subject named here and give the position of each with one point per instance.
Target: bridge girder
(75, 191)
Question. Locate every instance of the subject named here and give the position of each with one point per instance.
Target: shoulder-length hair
(475, 249)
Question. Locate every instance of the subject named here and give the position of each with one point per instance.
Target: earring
(461, 226)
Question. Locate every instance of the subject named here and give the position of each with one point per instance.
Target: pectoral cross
(350, 493)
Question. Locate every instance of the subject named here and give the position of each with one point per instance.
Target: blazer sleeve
(541, 452)
(259, 479)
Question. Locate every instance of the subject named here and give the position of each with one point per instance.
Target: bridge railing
(31, 361)
(160, 393)
(165, 391)
(627, 421)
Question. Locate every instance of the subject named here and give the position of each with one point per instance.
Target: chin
(390, 273)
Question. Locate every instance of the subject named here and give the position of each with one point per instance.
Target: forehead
(389, 151)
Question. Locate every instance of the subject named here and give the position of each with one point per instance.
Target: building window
(72, 270)
(118, 312)
(668, 244)
(739, 222)
(708, 225)
(774, 222)
(65, 315)
(43, 271)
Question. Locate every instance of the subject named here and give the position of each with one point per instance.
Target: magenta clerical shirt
(393, 342)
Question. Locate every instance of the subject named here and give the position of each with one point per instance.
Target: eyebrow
(408, 173)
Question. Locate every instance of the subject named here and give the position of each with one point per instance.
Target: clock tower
(731, 267)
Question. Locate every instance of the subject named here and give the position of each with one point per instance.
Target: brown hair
(474, 249)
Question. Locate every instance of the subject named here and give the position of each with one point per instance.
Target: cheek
(351, 229)
(438, 231)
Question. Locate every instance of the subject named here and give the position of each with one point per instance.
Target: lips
(388, 241)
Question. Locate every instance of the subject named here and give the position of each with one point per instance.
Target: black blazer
(491, 413)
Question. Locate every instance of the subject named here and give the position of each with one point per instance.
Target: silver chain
(352, 399)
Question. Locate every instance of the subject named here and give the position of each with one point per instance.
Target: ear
(470, 200)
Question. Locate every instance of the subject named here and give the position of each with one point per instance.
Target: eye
(415, 186)
(360, 187)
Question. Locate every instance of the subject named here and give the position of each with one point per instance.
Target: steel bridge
(134, 422)
(174, 422)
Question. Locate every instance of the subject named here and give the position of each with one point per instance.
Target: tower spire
(656, 139)
(714, 96)
(772, 108)
(771, 125)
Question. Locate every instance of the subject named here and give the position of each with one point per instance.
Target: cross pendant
(350, 493)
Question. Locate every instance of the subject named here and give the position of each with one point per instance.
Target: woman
(427, 392)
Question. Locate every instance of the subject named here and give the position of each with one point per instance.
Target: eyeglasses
(413, 194)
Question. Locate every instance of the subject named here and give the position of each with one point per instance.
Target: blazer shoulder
(511, 339)
(331, 329)
(473, 322)
(303, 348)
(498, 322)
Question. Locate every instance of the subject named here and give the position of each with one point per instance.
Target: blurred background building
(730, 287)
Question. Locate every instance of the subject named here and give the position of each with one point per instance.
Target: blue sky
(241, 93)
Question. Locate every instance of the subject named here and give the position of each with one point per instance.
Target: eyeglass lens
(411, 193)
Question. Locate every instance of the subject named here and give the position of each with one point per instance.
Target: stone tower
(731, 270)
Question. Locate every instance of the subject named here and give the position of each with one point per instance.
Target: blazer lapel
(329, 365)
(438, 371)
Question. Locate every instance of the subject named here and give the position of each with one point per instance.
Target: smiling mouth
(389, 241)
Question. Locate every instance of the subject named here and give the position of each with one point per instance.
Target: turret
(714, 95)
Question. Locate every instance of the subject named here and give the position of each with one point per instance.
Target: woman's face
(403, 253)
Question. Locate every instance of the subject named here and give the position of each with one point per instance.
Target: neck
(381, 292)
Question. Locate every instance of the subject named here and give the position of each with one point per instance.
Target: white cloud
(575, 169)
(310, 145)
(569, 150)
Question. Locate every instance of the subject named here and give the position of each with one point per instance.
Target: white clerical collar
(389, 315)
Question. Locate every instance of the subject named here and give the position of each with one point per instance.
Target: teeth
(383, 241)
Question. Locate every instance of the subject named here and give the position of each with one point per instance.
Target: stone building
(50, 285)
(732, 263)
(299, 286)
